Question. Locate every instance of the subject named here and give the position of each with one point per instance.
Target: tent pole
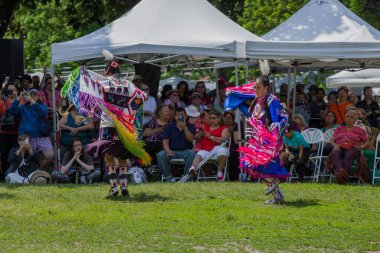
(246, 70)
(294, 92)
(239, 113)
(289, 89)
(55, 119)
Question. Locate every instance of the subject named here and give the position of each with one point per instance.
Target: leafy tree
(42, 23)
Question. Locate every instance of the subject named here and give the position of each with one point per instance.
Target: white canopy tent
(161, 31)
(322, 33)
(356, 78)
(164, 28)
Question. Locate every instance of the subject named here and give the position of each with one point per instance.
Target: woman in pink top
(348, 142)
(46, 95)
(212, 136)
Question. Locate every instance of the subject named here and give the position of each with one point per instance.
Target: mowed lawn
(191, 217)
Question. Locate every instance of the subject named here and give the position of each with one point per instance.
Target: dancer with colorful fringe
(116, 103)
(266, 120)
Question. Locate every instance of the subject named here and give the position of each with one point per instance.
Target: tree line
(40, 22)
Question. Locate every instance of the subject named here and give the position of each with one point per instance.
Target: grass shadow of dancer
(141, 197)
(301, 203)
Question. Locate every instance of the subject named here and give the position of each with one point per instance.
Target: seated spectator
(36, 82)
(23, 161)
(217, 98)
(165, 92)
(199, 124)
(46, 96)
(300, 121)
(154, 130)
(297, 151)
(173, 99)
(370, 106)
(8, 132)
(330, 122)
(228, 120)
(76, 166)
(200, 88)
(27, 84)
(211, 136)
(370, 131)
(340, 107)
(32, 111)
(317, 108)
(302, 107)
(196, 101)
(283, 92)
(348, 142)
(352, 96)
(332, 98)
(193, 116)
(73, 125)
(150, 104)
(233, 161)
(177, 143)
(312, 94)
(183, 89)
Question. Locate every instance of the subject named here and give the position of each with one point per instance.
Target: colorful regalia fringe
(83, 89)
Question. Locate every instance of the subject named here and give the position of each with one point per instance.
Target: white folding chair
(314, 136)
(376, 168)
(327, 136)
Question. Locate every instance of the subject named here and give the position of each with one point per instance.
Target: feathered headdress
(264, 67)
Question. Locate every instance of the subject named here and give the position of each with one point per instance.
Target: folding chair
(202, 174)
(312, 136)
(174, 162)
(208, 160)
(327, 136)
(376, 169)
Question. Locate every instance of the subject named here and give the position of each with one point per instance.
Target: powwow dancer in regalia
(266, 120)
(115, 102)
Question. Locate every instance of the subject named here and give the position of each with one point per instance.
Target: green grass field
(191, 217)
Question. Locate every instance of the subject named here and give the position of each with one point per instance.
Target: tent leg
(55, 120)
(289, 88)
(294, 92)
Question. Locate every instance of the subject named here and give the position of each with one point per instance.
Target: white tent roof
(355, 78)
(322, 29)
(179, 27)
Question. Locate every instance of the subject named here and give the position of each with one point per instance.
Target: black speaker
(11, 57)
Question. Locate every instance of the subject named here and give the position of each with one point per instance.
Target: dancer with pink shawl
(266, 119)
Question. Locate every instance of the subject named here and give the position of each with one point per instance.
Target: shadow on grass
(141, 197)
(6, 196)
(302, 203)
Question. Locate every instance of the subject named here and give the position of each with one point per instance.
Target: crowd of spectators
(182, 123)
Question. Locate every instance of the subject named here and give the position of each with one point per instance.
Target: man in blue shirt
(177, 143)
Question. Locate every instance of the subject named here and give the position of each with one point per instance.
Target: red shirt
(208, 144)
(2, 110)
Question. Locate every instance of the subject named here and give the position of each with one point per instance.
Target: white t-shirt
(150, 106)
